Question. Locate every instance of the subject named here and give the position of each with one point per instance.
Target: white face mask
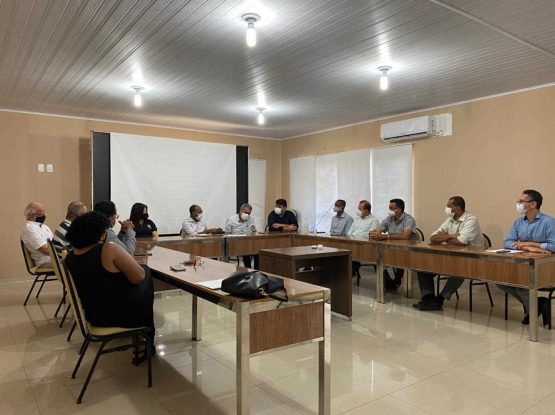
(198, 216)
(448, 212)
(359, 213)
(336, 209)
(520, 208)
(244, 216)
(277, 211)
(390, 213)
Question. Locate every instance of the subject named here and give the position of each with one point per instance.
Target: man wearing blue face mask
(533, 232)
(341, 222)
(461, 228)
(35, 235)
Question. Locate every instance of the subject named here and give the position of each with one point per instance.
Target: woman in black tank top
(115, 291)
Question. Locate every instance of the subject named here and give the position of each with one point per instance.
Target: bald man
(74, 209)
(35, 235)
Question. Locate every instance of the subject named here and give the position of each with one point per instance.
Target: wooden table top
(162, 258)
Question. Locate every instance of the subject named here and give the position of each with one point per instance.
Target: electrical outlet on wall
(40, 168)
(49, 168)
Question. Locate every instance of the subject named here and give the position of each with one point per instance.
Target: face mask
(198, 216)
(336, 209)
(145, 216)
(390, 213)
(448, 212)
(244, 216)
(40, 219)
(520, 208)
(277, 211)
(359, 213)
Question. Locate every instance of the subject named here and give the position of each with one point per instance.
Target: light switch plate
(49, 168)
(40, 168)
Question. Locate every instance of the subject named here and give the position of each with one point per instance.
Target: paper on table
(504, 251)
(213, 284)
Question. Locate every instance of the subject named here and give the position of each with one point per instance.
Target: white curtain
(169, 175)
(303, 189)
(257, 192)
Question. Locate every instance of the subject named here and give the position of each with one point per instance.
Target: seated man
(193, 225)
(35, 235)
(460, 228)
(243, 224)
(533, 232)
(398, 225)
(341, 222)
(363, 224)
(74, 209)
(281, 219)
(126, 237)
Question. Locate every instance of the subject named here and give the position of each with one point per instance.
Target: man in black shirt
(281, 219)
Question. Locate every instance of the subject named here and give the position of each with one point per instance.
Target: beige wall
(28, 139)
(499, 147)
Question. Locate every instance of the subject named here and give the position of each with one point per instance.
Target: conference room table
(527, 270)
(262, 325)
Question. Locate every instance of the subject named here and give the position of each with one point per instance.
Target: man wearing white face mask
(398, 225)
(194, 225)
(363, 224)
(533, 232)
(243, 224)
(281, 219)
(341, 222)
(461, 228)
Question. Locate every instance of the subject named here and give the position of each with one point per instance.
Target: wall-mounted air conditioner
(415, 128)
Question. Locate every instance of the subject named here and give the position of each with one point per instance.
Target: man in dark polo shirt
(281, 219)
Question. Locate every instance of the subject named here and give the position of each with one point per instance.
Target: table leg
(242, 373)
(410, 276)
(533, 306)
(197, 318)
(324, 365)
(380, 289)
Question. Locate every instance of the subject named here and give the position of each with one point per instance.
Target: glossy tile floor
(390, 359)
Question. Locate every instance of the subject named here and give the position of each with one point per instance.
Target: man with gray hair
(74, 209)
(35, 235)
(243, 224)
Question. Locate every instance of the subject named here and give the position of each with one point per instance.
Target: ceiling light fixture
(137, 98)
(261, 119)
(251, 19)
(384, 80)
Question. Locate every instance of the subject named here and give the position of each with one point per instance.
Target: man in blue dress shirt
(533, 232)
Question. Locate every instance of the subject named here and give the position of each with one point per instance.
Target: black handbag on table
(254, 284)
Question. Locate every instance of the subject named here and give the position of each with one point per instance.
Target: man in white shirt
(341, 222)
(193, 225)
(243, 224)
(461, 228)
(364, 223)
(35, 235)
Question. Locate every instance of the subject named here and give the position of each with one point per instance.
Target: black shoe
(390, 286)
(430, 303)
(526, 320)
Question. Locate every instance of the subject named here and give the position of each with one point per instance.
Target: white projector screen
(168, 175)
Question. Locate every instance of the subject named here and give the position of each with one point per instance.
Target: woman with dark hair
(114, 289)
(144, 227)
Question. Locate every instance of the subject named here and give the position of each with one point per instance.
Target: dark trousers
(398, 273)
(355, 266)
(247, 260)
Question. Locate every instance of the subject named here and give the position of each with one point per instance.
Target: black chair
(549, 292)
(101, 335)
(420, 235)
(473, 283)
(41, 275)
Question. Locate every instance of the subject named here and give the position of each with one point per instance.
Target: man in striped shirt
(74, 209)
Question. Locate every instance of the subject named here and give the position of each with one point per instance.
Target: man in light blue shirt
(243, 224)
(533, 232)
(341, 222)
(364, 223)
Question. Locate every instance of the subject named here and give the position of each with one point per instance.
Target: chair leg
(71, 331)
(438, 281)
(84, 347)
(470, 298)
(506, 306)
(149, 358)
(42, 285)
(91, 371)
(489, 295)
(358, 278)
(457, 295)
(62, 301)
(31, 290)
(65, 315)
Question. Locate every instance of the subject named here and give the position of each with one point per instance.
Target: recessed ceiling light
(261, 119)
(251, 19)
(137, 98)
(384, 80)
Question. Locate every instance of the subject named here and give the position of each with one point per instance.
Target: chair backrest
(420, 235)
(487, 241)
(29, 263)
(62, 272)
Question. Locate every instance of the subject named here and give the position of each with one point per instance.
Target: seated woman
(144, 227)
(114, 289)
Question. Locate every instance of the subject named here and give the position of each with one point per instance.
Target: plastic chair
(101, 335)
(41, 275)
